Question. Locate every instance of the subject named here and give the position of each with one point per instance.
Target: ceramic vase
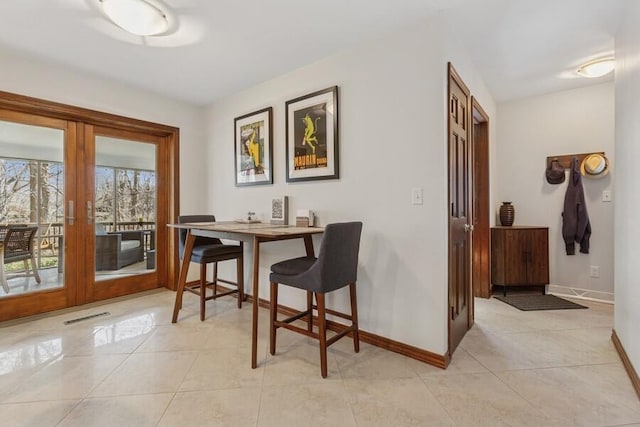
(507, 214)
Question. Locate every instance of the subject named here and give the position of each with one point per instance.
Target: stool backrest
(337, 261)
(200, 241)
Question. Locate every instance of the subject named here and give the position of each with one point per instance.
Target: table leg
(254, 324)
(184, 269)
(308, 245)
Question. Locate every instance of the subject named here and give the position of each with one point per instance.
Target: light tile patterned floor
(134, 368)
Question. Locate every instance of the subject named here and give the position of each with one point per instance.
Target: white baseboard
(584, 294)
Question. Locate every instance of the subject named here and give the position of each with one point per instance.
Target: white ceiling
(521, 47)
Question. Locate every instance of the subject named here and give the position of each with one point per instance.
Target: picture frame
(280, 210)
(253, 148)
(312, 146)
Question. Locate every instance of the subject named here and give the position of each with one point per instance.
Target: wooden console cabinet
(520, 256)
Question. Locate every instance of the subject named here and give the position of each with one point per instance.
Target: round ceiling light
(138, 17)
(596, 68)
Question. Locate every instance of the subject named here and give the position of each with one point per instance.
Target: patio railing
(50, 237)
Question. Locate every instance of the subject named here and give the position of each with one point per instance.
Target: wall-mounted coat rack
(565, 159)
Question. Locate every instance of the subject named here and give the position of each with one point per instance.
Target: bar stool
(211, 250)
(335, 268)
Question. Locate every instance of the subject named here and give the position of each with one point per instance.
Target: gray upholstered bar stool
(335, 268)
(211, 250)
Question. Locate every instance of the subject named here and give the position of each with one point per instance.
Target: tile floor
(134, 368)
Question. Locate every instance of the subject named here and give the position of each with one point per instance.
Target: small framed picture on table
(280, 210)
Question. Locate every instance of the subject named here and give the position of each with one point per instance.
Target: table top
(253, 229)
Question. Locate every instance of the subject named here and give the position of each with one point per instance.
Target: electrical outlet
(416, 196)
(606, 196)
(594, 271)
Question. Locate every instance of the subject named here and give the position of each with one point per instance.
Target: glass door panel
(124, 212)
(32, 197)
(35, 193)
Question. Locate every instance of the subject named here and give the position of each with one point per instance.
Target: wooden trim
(27, 104)
(172, 260)
(481, 282)
(434, 359)
(437, 360)
(455, 76)
(633, 374)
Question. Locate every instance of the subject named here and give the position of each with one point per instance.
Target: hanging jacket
(575, 219)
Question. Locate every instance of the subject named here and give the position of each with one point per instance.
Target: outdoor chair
(18, 245)
(115, 250)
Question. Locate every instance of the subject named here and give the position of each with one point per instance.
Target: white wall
(26, 76)
(392, 138)
(567, 122)
(392, 99)
(627, 226)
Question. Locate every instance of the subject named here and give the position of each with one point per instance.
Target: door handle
(89, 212)
(70, 212)
(468, 227)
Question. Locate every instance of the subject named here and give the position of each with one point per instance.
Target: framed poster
(253, 148)
(312, 136)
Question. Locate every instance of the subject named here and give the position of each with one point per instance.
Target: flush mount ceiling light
(596, 68)
(139, 17)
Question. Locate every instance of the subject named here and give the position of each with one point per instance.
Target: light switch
(606, 196)
(416, 196)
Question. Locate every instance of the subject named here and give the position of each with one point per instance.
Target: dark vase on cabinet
(507, 214)
(520, 256)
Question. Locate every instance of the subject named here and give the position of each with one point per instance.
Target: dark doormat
(538, 302)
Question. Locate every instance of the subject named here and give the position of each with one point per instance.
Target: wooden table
(255, 233)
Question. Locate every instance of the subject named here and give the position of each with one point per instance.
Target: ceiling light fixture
(138, 17)
(597, 68)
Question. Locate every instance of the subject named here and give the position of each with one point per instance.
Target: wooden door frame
(481, 280)
(78, 116)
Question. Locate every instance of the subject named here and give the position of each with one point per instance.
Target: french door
(35, 152)
(98, 192)
(120, 212)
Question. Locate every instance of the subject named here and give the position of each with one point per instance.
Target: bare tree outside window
(105, 194)
(32, 192)
(125, 195)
